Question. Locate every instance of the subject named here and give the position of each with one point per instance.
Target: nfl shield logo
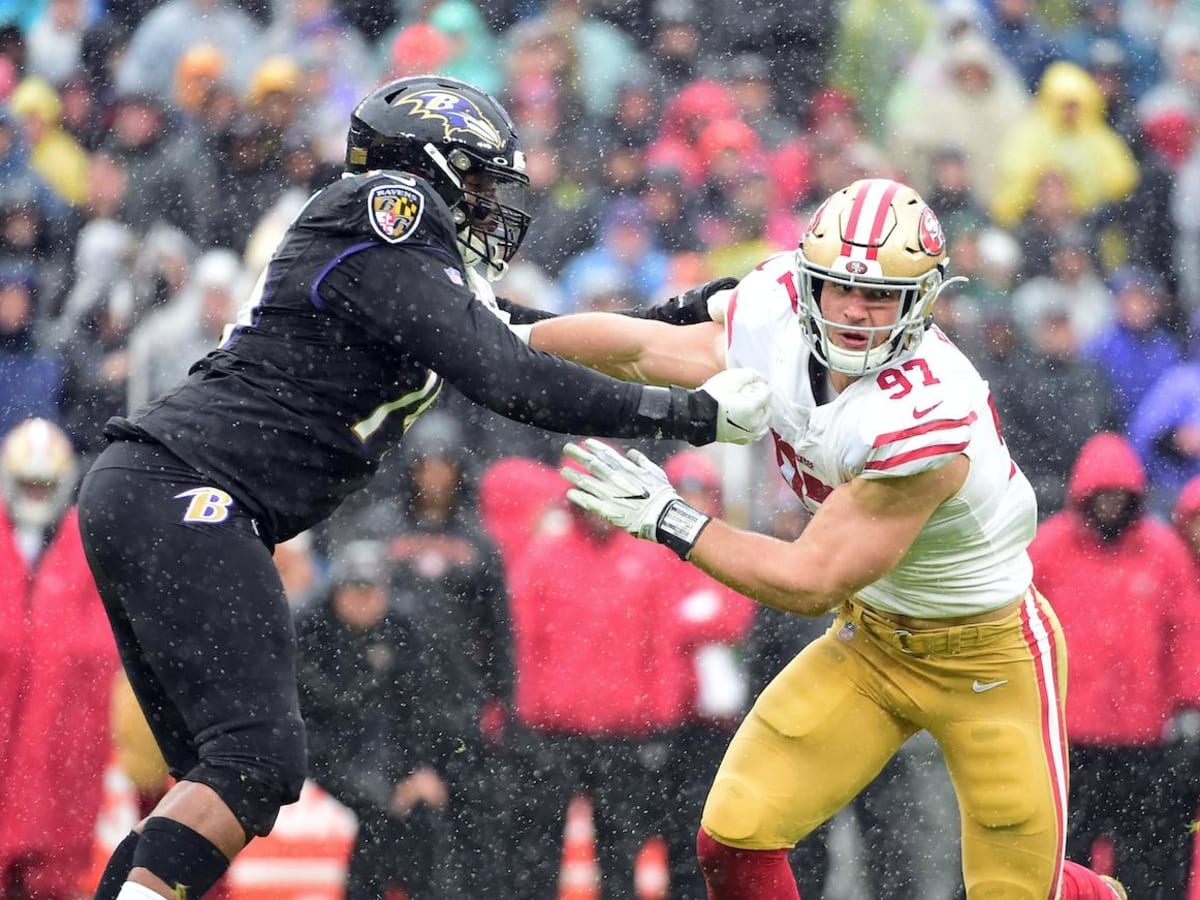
(395, 211)
(846, 632)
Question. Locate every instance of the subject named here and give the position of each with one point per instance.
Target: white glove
(632, 493)
(718, 304)
(743, 405)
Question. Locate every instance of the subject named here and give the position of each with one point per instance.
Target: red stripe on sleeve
(900, 459)
(924, 428)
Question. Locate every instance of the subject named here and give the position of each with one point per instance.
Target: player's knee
(995, 786)
(1000, 810)
(256, 779)
(254, 794)
(733, 811)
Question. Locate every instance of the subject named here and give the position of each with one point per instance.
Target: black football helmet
(462, 142)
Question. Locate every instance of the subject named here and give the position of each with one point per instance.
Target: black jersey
(360, 313)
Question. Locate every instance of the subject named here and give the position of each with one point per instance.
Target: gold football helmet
(37, 473)
(879, 235)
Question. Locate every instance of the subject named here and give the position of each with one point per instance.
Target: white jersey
(915, 415)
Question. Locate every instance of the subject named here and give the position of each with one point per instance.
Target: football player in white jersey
(920, 522)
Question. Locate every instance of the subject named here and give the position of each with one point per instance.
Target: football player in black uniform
(371, 299)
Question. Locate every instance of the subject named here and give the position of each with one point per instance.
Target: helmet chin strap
(856, 362)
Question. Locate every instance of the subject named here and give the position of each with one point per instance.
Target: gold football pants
(991, 695)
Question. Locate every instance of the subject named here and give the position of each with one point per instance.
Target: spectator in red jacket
(702, 690)
(516, 494)
(1126, 593)
(588, 624)
(1183, 734)
(56, 664)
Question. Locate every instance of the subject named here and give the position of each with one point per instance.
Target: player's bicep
(865, 528)
(635, 349)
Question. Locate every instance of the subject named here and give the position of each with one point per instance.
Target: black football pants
(202, 624)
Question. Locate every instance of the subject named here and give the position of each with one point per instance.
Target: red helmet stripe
(855, 212)
(881, 211)
(867, 218)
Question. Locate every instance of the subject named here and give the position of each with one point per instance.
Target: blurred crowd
(151, 154)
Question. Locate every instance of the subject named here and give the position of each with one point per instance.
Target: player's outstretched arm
(861, 532)
(643, 344)
(635, 349)
(706, 302)
(464, 342)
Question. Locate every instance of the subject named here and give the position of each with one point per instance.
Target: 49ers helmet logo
(461, 118)
(929, 233)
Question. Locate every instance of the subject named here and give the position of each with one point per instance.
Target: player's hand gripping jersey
(909, 417)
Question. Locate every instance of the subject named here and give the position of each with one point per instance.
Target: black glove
(689, 308)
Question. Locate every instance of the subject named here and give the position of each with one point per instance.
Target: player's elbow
(809, 592)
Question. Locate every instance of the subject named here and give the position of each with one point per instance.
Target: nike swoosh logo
(979, 687)
(922, 413)
(642, 496)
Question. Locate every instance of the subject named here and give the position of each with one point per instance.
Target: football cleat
(1116, 887)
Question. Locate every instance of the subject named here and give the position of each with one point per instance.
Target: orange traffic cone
(651, 877)
(580, 877)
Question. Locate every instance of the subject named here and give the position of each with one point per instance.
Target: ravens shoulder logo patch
(395, 211)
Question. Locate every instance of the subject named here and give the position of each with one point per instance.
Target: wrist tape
(679, 527)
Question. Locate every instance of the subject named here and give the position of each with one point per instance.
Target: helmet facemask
(914, 312)
(489, 214)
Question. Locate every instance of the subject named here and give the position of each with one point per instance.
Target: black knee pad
(179, 855)
(253, 794)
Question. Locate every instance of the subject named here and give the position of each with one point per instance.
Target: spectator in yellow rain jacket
(53, 154)
(1066, 131)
